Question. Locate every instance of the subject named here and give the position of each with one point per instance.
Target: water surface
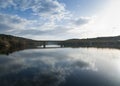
(61, 67)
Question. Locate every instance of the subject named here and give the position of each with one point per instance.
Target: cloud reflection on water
(48, 68)
(52, 67)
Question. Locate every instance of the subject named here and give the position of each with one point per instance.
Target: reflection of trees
(7, 51)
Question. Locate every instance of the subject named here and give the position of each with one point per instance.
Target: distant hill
(7, 41)
(112, 42)
(98, 38)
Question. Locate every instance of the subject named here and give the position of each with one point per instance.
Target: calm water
(61, 67)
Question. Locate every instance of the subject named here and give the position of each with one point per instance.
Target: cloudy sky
(60, 19)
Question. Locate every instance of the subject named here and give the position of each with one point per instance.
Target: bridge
(50, 42)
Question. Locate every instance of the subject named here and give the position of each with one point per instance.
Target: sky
(60, 19)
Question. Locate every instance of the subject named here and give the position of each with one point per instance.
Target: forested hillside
(110, 42)
(7, 41)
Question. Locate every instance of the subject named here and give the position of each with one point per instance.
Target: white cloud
(6, 3)
(54, 21)
(80, 26)
(81, 21)
(15, 25)
(49, 13)
(48, 9)
(12, 23)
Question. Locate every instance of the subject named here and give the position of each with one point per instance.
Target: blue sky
(59, 19)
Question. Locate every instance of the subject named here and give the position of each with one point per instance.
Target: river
(61, 67)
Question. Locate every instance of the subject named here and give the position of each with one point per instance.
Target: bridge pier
(61, 45)
(44, 44)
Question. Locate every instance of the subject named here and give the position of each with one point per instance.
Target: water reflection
(61, 67)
